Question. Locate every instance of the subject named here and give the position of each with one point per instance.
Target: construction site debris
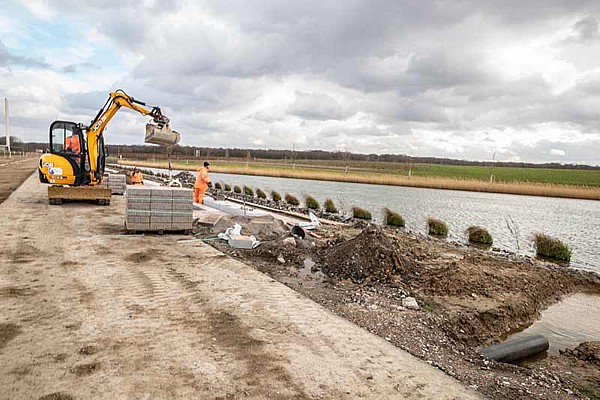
(410, 303)
(233, 236)
(264, 228)
(517, 349)
(289, 241)
(313, 224)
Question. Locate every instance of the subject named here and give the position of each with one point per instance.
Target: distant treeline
(195, 152)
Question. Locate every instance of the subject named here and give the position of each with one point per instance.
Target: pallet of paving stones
(115, 182)
(158, 209)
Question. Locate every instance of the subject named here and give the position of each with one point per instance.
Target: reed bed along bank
(519, 188)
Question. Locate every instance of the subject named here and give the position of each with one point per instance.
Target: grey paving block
(138, 191)
(161, 206)
(162, 191)
(160, 226)
(137, 226)
(183, 192)
(138, 205)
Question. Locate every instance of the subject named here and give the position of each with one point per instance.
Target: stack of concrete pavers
(115, 182)
(159, 208)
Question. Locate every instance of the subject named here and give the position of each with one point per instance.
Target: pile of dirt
(491, 277)
(586, 351)
(372, 256)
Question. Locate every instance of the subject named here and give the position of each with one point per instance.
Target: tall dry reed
(472, 185)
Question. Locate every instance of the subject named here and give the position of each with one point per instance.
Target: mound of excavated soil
(371, 256)
(586, 351)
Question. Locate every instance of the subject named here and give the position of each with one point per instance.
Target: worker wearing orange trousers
(202, 181)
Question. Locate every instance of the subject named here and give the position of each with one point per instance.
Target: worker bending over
(202, 181)
(136, 177)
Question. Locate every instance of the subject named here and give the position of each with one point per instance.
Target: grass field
(530, 181)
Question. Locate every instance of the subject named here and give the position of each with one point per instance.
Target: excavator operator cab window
(64, 138)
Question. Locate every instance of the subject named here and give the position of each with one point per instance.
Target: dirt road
(90, 313)
(13, 171)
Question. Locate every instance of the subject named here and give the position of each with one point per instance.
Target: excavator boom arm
(115, 101)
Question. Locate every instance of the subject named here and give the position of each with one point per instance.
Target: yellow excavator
(76, 158)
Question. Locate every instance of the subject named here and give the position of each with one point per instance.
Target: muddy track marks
(57, 396)
(12, 291)
(87, 350)
(85, 369)
(25, 253)
(69, 264)
(7, 333)
(235, 337)
(140, 257)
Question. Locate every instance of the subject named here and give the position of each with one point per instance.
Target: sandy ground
(87, 312)
(13, 171)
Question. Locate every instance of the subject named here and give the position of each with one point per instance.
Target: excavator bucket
(162, 135)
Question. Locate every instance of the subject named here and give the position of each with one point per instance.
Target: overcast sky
(510, 80)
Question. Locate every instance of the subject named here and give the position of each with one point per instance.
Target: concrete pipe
(515, 350)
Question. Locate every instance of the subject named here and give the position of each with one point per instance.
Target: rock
(281, 259)
(290, 241)
(410, 303)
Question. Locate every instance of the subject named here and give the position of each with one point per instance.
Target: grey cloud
(7, 59)
(318, 106)
(586, 29)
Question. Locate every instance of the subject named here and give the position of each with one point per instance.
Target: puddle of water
(306, 273)
(572, 321)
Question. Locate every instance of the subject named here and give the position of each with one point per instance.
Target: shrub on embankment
(330, 207)
(248, 191)
(275, 196)
(311, 203)
(227, 187)
(237, 189)
(551, 248)
(437, 227)
(361, 213)
(479, 235)
(392, 218)
(292, 200)
(260, 194)
(218, 186)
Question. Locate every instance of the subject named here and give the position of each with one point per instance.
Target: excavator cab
(66, 162)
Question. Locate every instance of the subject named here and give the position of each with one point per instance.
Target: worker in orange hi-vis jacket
(202, 181)
(136, 177)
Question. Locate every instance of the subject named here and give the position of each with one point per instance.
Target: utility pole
(7, 126)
